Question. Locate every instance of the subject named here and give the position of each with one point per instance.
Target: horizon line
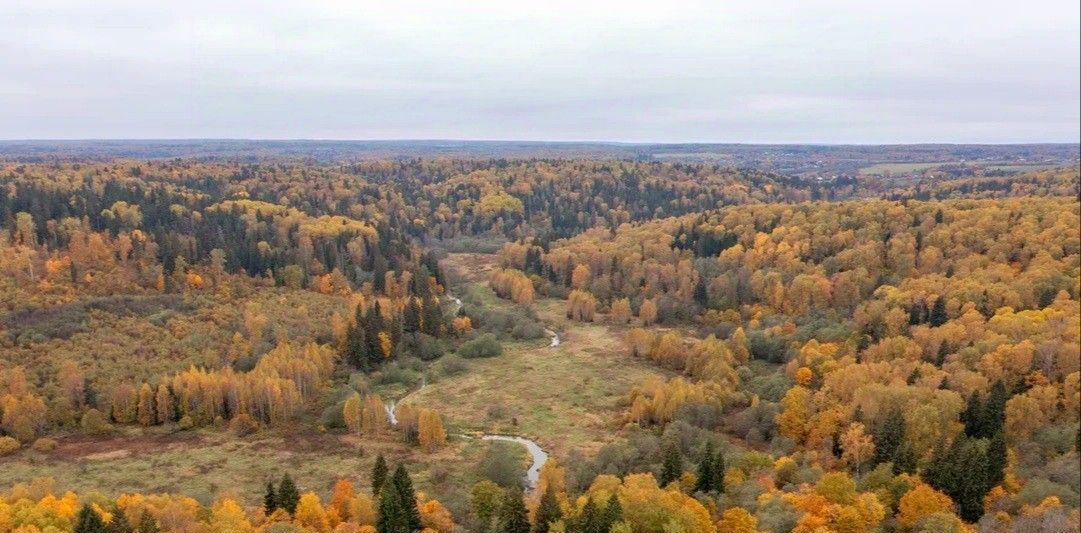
(522, 141)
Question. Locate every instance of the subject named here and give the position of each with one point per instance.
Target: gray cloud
(827, 71)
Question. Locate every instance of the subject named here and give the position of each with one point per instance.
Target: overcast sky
(835, 71)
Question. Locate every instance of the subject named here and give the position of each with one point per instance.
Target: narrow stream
(554, 336)
(537, 453)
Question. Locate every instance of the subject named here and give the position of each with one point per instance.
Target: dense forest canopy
(786, 351)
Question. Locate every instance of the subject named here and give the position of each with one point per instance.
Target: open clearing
(568, 397)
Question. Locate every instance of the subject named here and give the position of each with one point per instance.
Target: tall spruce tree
(513, 516)
(391, 517)
(904, 460)
(705, 482)
(270, 499)
(88, 521)
(961, 473)
(589, 519)
(119, 523)
(613, 513)
(938, 315)
(548, 511)
(403, 485)
(379, 474)
(972, 416)
(719, 469)
(288, 495)
(994, 411)
(996, 459)
(672, 465)
(889, 434)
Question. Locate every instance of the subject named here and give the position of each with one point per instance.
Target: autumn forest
(538, 343)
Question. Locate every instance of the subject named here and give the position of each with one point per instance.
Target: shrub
(452, 365)
(425, 347)
(484, 346)
(527, 331)
(186, 423)
(8, 446)
(44, 445)
(772, 348)
(243, 425)
(94, 422)
(503, 465)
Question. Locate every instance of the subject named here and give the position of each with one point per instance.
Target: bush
(484, 346)
(502, 464)
(401, 371)
(452, 365)
(425, 347)
(527, 331)
(44, 445)
(243, 425)
(8, 446)
(186, 423)
(1036, 490)
(333, 417)
(772, 348)
(94, 422)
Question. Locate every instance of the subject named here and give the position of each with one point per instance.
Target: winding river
(537, 453)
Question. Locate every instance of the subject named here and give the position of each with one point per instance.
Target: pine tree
(379, 474)
(996, 459)
(705, 482)
(88, 521)
(356, 347)
(889, 435)
(718, 472)
(411, 317)
(513, 516)
(961, 473)
(943, 351)
(270, 500)
(119, 523)
(672, 466)
(403, 485)
(613, 513)
(914, 376)
(589, 520)
(994, 411)
(972, 416)
(917, 314)
(391, 517)
(432, 317)
(904, 460)
(938, 314)
(701, 296)
(288, 495)
(548, 511)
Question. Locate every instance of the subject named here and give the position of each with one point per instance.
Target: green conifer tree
(938, 314)
(548, 511)
(672, 465)
(288, 495)
(403, 485)
(391, 517)
(513, 516)
(705, 482)
(719, 469)
(88, 521)
(270, 499)
(379, 474)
